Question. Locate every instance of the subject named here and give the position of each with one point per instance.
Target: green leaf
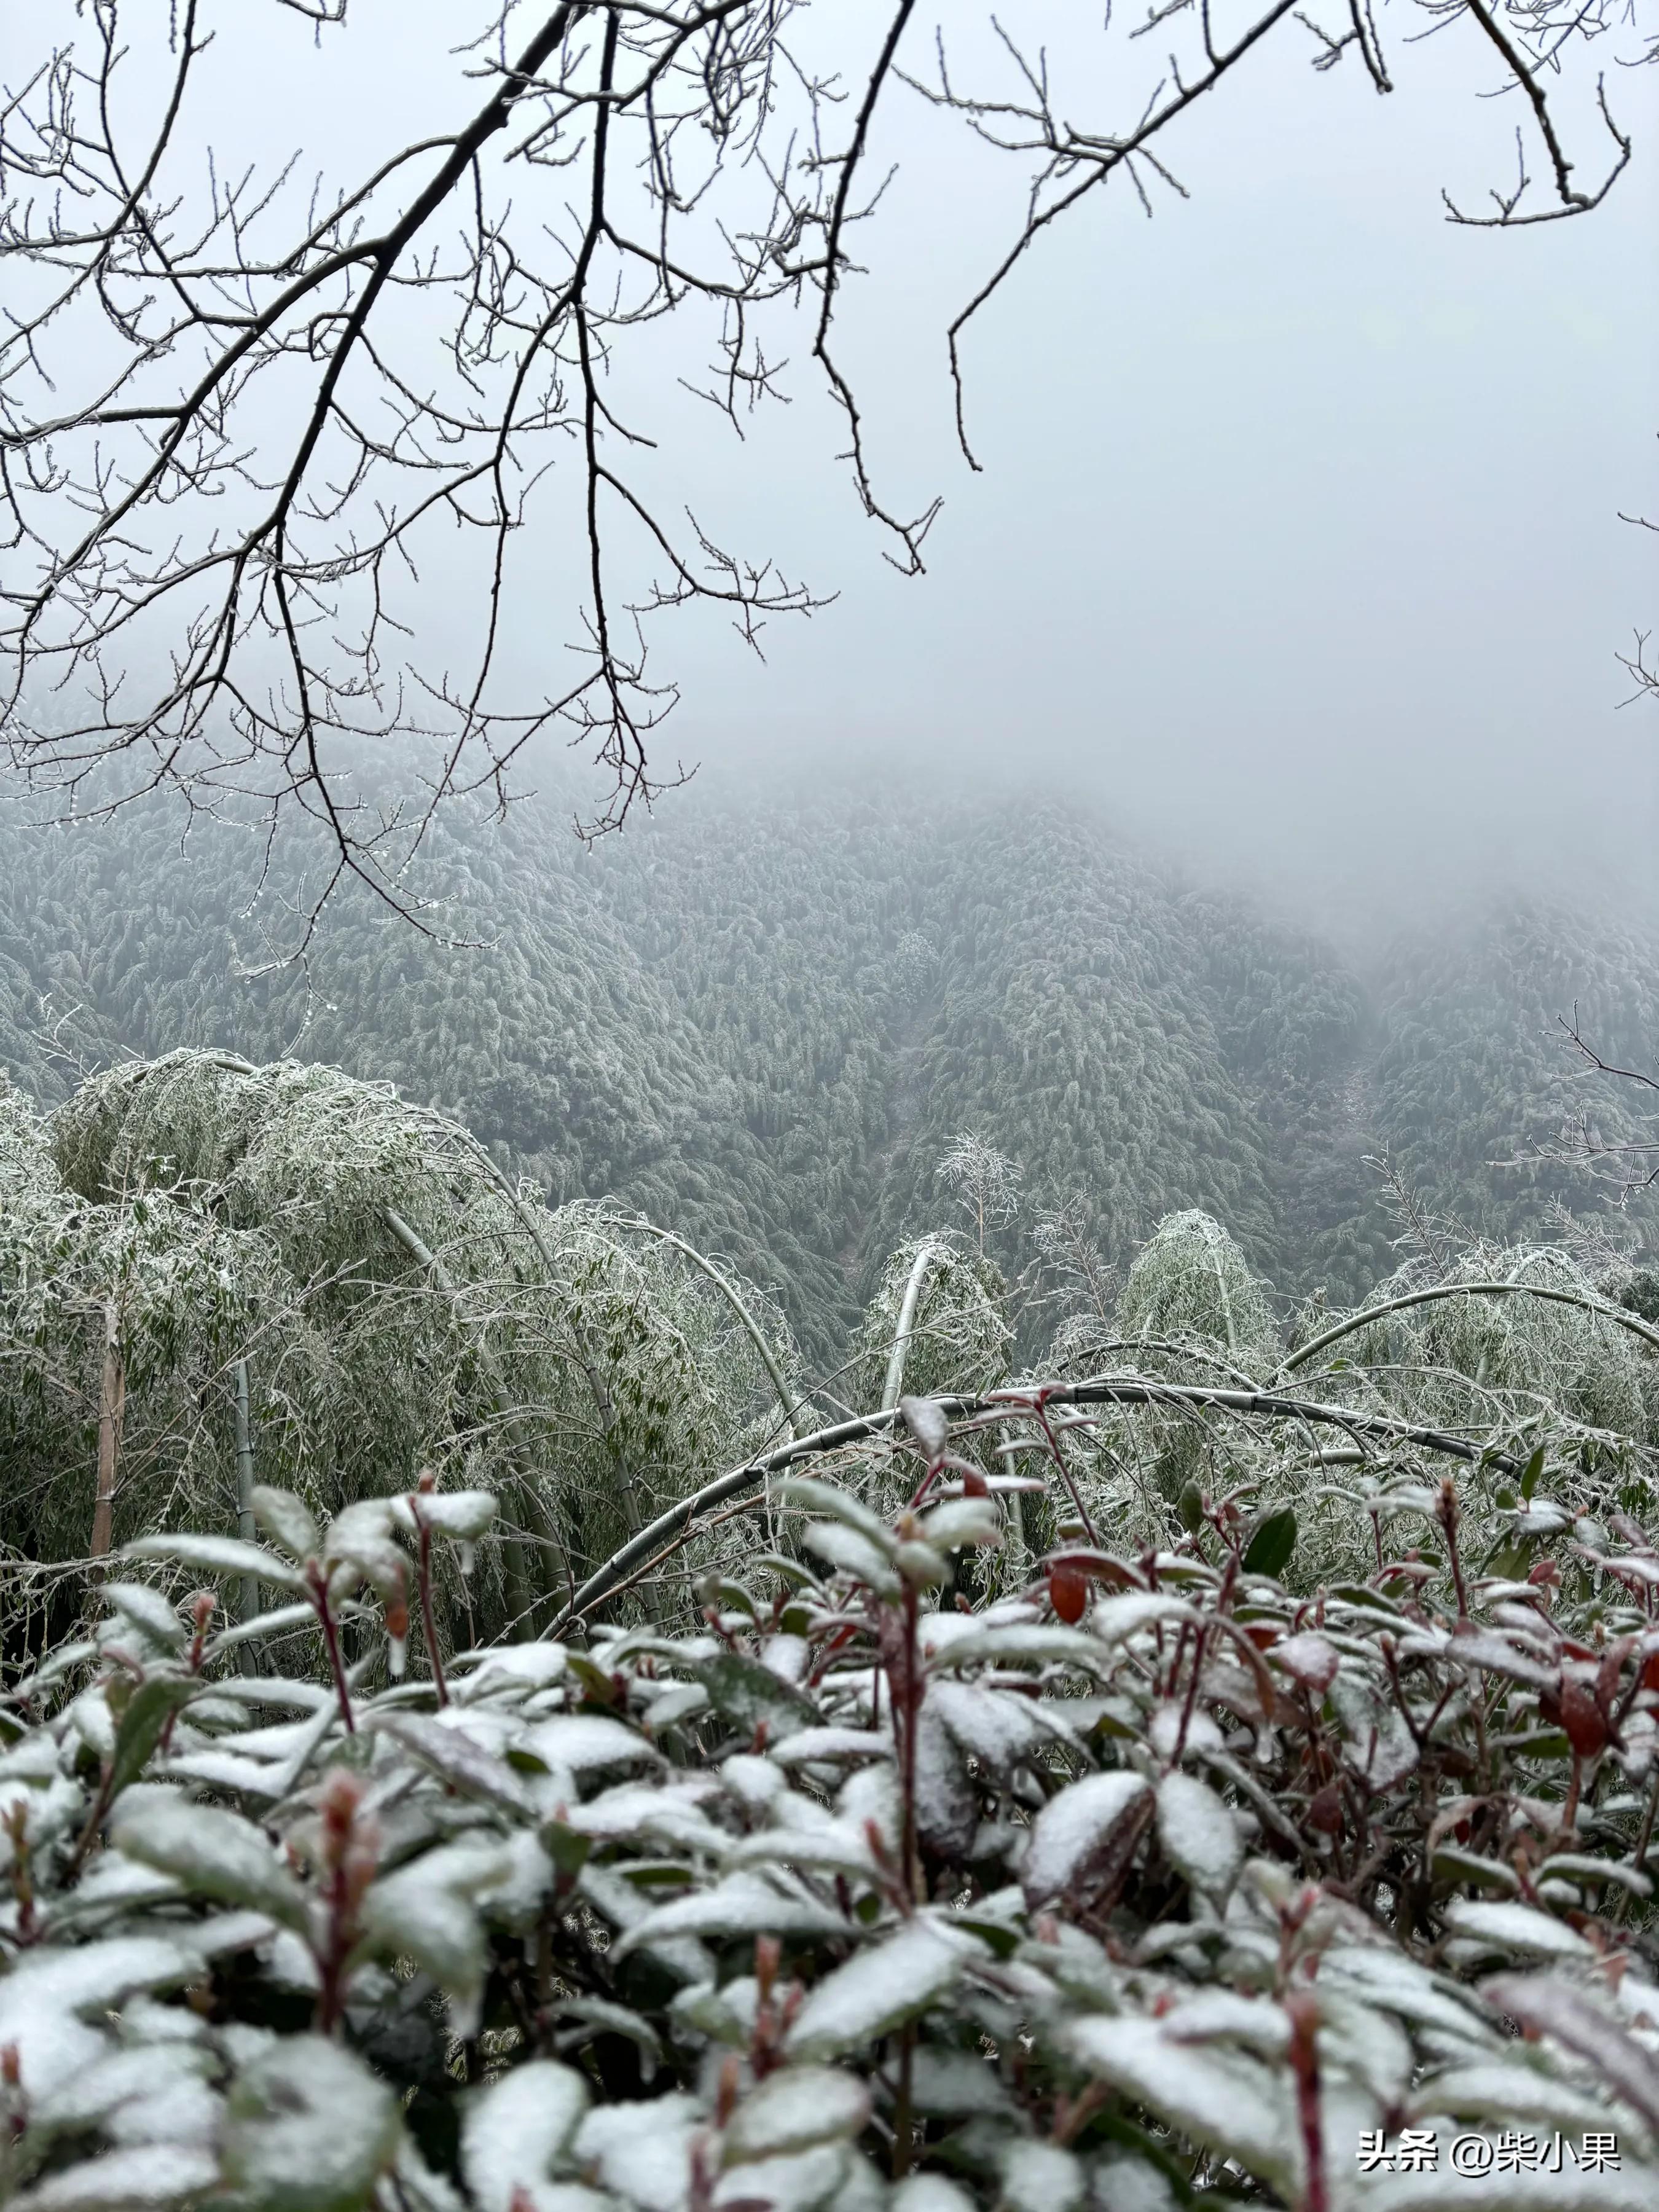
(789, 1572)
(1272, 1545)
(566, 1847)
(1509, 1562)
(745, 1693)
(1531, 1472)
(149, 1710)
(824, 1498)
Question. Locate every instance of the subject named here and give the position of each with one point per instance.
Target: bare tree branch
(246, 422)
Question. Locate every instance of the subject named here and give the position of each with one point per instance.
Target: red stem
(1304, 2057)
(423, 1576)
(912, 1706)
(1039, 1409)
(331, 1637)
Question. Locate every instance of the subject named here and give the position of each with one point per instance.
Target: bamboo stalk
(788, 1400)
(906, 1322)
(1364, 1318)
(111, 1407)
(1099, 1390)
(246, 1527)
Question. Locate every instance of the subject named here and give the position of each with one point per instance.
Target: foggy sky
(1296, 542)
(1298, 536)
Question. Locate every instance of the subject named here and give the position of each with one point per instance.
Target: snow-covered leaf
(999, 1729)
(1309, 1658)
(642, 2149)
(1385, 1977)
(921, 1565)
(217, 1555)
(1040, 2177)
(851, 1552)
(532, 1665)
(514, 2133)
(147, 1609)
(452, 1755)
(212, 1852)
(1378, 1746)
(1549, 2005)
(1017, 1644)
(926, 1420)
(794, 2109)
(947, 1802)
(829, 1746)
(464, 1515)
(929, 2192)
(1085, 1836)
(1218, 2094)
(360, 1537)
(1198, 1834)
(1228, 2016)
(1116, 1618)
(137, 2178)
(1508, 2089)
(838, 1504)
(285, 1520)
(583, 1743)
(961, 1521)
(872, 1995)
(428, 1909)
(743, 1903)
(1513, 1927)
(1171, 1722)
(308, 2127)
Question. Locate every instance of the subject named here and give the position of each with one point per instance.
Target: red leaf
(1581, 1717)
(1068, 1593)
(1325, 1812)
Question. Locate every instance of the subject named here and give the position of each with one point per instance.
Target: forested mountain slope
(762, 1024)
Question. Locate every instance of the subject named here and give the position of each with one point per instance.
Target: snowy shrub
(1152, 1884)
(1538, 1329)
(1191, 1280)
(206, 1265)
(937, 1320)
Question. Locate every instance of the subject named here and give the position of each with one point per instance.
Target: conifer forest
(846, 1486)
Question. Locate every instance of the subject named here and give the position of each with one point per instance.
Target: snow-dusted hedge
(1152, 1884)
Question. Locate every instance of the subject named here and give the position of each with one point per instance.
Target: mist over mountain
(762, 1018)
